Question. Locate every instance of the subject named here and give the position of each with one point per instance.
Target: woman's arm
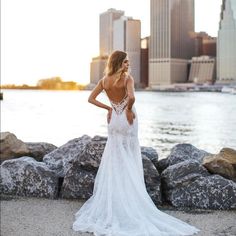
(131, 99)
(95, 92)
(130, 92)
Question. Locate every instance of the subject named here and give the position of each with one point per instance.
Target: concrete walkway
(44, 217)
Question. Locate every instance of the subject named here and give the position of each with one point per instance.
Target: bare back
(116, 92)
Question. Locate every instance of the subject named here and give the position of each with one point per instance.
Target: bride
(120, 204)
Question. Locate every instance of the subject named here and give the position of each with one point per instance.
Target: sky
(47, 38)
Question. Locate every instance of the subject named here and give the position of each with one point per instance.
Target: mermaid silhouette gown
(120, 204)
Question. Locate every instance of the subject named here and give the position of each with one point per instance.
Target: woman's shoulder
(129, 79)
(102, 81)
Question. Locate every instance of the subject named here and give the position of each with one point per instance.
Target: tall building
(226, 42)
(97, 67)
(171, 44)
(106, 24)
(204, 44)
(144, 62)
(106, 30)
(126, 37)
(202, 70)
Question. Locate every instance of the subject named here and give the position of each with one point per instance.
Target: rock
(189, 184)
(25, 176)
(11, 147)
(211, 192)
(162, 164)
(152, 180)
(150, 153)
(38, 150)
(61, 159)
(79, 180)
(91, 155)
(223, 163)
(182, 173)
(183, 152)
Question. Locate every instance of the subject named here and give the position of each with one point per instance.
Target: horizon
(44, 39)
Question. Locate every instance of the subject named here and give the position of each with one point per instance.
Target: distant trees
(54, 83)
(57, 84)
(13, 86)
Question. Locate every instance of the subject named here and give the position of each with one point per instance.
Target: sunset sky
(47, 38)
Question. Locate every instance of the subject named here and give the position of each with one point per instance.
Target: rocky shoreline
(187, 178)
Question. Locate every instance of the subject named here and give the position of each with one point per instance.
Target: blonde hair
(114, 64)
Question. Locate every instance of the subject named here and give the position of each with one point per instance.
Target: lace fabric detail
(120, 106)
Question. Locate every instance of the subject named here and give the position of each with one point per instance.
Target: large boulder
(211, 192)
(91, 156)
(60, 160)
(151, 154)
(79, 179)
(11, 146)
(182, 173)
(189, 184)
(185, 151)
(223, 163)
(78, 182)
(25, 176)
(152, 180)
(38, 150)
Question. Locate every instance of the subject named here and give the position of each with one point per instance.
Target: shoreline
(27, 216)
(176, 87)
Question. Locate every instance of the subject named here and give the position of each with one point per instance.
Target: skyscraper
(126, 37)
(226, 42)
(106, 30)
(171, 44)
(106, 24)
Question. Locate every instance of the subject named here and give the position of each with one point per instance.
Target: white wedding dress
(120, 204)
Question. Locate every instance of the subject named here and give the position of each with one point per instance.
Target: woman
(120, 204)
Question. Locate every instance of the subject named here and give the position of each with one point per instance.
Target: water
(205, 119)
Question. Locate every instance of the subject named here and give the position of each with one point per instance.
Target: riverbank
(192, 87)
(23, 216)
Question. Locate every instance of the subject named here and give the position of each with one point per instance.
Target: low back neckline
(117, 103)
(112, 101)
(119, 107)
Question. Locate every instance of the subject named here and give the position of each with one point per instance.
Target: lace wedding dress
(120, 204)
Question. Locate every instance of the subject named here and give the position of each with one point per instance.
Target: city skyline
(42, 39)
(171, 44)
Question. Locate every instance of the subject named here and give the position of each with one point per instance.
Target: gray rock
(162, 164)
(78, 182)
(182, 173)
(11, 146)
(152, 180)
(91, 155)
(150, 153)
(79, 179)
(38, 150)
(61, 159)
(183, 152)
(210, 192)
(189, 184)
(25, 176)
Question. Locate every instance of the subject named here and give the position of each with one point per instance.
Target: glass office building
(226, 42)
(171, 44)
